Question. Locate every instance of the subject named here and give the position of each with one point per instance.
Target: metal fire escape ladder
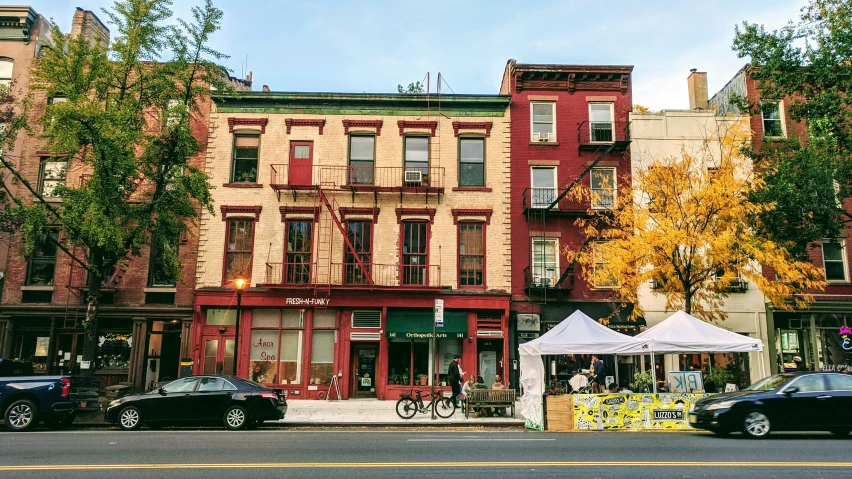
(325, 239)
(576, 181)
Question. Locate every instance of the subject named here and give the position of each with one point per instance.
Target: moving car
(27, 398)
(812, 401)
(236, 403)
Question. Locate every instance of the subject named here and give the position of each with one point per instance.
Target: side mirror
(162, 391)
(789, 391)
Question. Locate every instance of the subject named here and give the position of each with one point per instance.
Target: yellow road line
(365, 465)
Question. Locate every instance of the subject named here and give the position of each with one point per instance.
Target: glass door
(68, 353)
(364, 370)
(218, 355)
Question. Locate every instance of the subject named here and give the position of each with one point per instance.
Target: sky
(371, 46)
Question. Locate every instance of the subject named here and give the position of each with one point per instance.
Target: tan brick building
(349, 215)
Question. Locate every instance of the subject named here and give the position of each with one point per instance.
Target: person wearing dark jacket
(455, 378)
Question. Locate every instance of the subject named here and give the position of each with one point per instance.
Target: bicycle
(411, 403)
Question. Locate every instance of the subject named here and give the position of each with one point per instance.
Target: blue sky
(357, 46)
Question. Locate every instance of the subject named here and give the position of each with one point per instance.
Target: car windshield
(770, 383)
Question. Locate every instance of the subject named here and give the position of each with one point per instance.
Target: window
(415, 260)
(276, 346)
(472, 162)
(543, 121)
(812, 383)
(299, 247)
(839, 382)
(601, 122)
(471, 254)
(53, 174)
(246, 149)
(834, 260)
(158, 275)
(408, 360)
(603, 188)
(184, 385)
(360, 235)
(545, 269)
(43, 261)
(215, 384)
(173, 113)
(416, 160)
(6, 66)
(240, 243)
(322, 346)
(773, 119)
(543, 186)
(600, 263)
(362, 151)
(58, 98)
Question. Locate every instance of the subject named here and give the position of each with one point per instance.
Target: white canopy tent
(682, 333)
(576, 334)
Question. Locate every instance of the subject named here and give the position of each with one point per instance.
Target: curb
(323, 425)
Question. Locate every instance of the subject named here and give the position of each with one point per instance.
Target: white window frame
(544, 265)
(49, 196)
(553, 123)
(842, 243)
(614, 188)
(4, 80)
(781, 117)
(534, 188)
(611, 121)
(595, 269)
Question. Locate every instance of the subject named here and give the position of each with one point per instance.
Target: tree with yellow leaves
(685, 223)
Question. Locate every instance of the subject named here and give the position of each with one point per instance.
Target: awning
(416, 323)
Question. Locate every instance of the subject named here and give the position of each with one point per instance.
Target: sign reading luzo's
(438, 335)
(308, 302)
(668, 415)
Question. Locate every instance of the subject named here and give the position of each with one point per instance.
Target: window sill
(471, 288)
(774, 138)
(155, 289)
(243, 185)
(473, 188)
(38, 288)
(838, 283)
(544, 143)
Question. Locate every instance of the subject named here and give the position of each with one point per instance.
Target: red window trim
(372, 241)
(312, 211)
(355, 211)
(473, 125)
(429, 125)
(430, 212)
(228, 234)
(241, 211)
(402, 244)
(484, 254)
(261, 122)
(242, 185)
(466, 213)
(291, 122)
(377, 124)
(284, 262)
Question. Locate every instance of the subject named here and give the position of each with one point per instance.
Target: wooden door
(301, 163)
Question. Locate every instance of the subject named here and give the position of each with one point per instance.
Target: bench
(489, 398)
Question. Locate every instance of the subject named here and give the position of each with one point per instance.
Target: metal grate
(367, 319)
(365, 336)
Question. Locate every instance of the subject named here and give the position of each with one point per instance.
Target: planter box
(560, 413)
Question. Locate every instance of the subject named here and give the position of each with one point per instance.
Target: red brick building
(569, 129)
(812, 334)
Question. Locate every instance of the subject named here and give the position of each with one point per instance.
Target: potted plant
(423, 379)
(393, 379)
(716, 380)
(405, 378)
(642, 381)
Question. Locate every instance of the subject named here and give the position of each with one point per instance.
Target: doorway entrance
(490, 360)
(301, 163)
(218, 355)
(364, 369)
(69, 348)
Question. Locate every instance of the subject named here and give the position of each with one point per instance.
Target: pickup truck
(25, 398)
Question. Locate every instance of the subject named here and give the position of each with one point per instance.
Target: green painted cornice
(378, 104)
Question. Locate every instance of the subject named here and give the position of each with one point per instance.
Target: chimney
(697, 84)
(88, 24)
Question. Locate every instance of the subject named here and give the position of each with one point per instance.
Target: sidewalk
(372, 412)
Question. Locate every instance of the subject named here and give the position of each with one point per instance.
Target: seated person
(624, 389)
(498, 384)
(613, 388)
(469, 385)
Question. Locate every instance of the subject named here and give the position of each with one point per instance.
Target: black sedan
(813, 401)
(234, 402)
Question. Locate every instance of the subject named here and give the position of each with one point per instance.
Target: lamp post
(239, 285)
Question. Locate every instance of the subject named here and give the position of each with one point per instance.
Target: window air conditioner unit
(543, 136)
(413, 178)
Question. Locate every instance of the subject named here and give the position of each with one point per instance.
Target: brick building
(349, 215)
(812, 334)
(569, 129)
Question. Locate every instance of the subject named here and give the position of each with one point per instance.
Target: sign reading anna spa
(308, 302)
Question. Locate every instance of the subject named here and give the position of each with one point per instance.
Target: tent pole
(616, 369)
(653, 373)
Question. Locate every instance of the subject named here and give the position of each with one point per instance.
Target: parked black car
(812, 401)
(235, 403)
(27, 398)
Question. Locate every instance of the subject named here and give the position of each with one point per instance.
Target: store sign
(427, 335)
(845, 338)
(308, 302)
(668, 414)
(439, 313)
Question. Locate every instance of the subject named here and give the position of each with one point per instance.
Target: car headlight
(721, 405)
(115, 402)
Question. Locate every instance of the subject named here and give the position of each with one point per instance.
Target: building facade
(812, 334)
(350, 216)
(569, 130)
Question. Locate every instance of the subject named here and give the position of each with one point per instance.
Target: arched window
(6, 65)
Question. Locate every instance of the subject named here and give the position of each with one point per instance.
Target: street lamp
(239, 285)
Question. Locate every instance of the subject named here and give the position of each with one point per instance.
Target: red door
(218, 355)
(301, 163)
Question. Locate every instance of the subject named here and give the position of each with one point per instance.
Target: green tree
(127, 122)
(809, 64)
(412, 88)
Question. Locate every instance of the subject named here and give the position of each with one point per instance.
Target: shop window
(408, 360)
(42, 263)
(158, 275)
(53, 174)
(603, 188)
(322, 356)
(246, 148)
(545, 270)
(221, 317)
(773, 119)
(276, 346)
(543, 121)
(114, 352)
(33, 349)
(299, 246)
(415, 259)
(472, 162)
(362, 154)
(834, 260)
(447, 348)
(239, 249)
(360, 234)
(471, 254)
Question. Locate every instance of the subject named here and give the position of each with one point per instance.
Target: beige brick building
(349, 215)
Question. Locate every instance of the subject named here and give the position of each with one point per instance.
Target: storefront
(376, 344)
(822, 340)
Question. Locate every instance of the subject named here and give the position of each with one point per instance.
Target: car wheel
(756, 424)
(841, 431)
(130, 418)
(21, 415)
(236, 417)
(58, 424)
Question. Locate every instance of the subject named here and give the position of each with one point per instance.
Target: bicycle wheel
(406, 408)
(445, 407)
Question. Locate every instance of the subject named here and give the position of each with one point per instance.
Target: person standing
(455, 378)
(600, 374)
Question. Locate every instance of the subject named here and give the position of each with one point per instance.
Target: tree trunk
(687, 303)
(90, 341)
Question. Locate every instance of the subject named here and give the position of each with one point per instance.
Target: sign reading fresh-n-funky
(308, 302)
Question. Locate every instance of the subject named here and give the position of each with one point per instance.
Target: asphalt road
(415, 453)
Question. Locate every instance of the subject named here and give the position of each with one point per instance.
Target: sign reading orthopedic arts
(418, 323)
